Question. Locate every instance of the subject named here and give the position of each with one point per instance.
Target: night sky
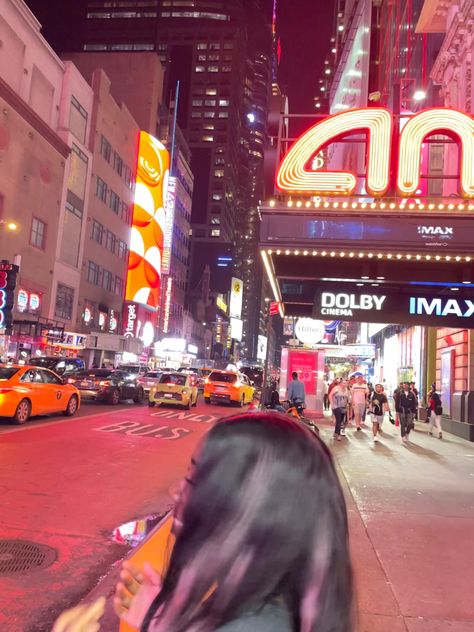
(305, 28)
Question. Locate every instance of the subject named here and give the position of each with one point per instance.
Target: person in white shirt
(360, 394)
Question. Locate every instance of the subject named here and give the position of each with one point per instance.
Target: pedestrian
(436, 409)
(326, 402)
(275, 403)
(406, 407)
(359, 396)
(296, 390)
(340, 398)
(396, 395)
(415, 392)
(241, 562)
(378, 406)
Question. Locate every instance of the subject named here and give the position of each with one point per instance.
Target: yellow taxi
(231, 387)
(31, 390)
(177, 389)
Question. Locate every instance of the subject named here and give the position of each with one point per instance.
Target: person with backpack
(340, 398)
(436, 410)
(407, 404)
(378, 406)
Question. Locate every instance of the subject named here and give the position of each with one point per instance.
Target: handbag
(391, 419)
(438, 410)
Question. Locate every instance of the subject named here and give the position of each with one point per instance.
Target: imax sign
(436, 231)
(463, 308)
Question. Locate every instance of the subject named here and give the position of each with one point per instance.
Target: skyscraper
(210, 48)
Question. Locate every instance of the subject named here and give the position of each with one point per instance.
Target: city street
(68, 483)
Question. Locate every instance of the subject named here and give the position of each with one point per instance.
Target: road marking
(28, 426)
(185, 416)
(137, 429)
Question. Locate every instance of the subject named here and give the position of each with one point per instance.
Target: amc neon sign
(295, 174)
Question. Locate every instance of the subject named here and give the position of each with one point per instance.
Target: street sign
(274, 308)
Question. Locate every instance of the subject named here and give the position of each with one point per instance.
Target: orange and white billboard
(148, 224)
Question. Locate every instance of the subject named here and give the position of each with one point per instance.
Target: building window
(209, 114)
(196, 115)
(197, 102)
(213, 68)
(97, 231)
(216, 221)
(114, 202)
(78, 120)
(118, 164)
(200, 69)
(93, 272)
(64, 302)
(219, 173)
(128, 177)
(223, 115)
(215, 232)
(38, 233)
(126, 213)
(211, 92)
(110, 241)
(217, 197)
(202, 46)
(105, 148)
(210, 102)
(226, 68)
(208, 139)
(118, 286)
(223, 103)
(122, 250)
(107, 280)
(101, 189)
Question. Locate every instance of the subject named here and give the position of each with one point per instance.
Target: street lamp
(8, 225)
(420, 95)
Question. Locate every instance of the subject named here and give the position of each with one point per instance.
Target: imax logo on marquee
(344, 304)
(463, 308)
(436, 231)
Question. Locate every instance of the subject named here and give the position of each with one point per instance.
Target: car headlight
(185, 392)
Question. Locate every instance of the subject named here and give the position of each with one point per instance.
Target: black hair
(265, 518)
(294, 375)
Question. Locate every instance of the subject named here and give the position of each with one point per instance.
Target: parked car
(151, 378)
(108, 385)
(228, 386)
(177, 389)
(30, 390)
(59, 364)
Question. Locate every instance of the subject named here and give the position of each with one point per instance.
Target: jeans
(435, 420)
(326, 402)
(406, 420)
(340, 415)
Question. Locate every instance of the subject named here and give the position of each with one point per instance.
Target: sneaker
(338, 438)
(430, 433)
(343, 432)
(376, 439)
(440, 435)
(359, 428)
(404, 439)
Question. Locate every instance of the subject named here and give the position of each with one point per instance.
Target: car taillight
(104, 383)
(3, 391)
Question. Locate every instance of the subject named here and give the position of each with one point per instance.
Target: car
(228, 386)
(136, 369)
(61, 365)
(29, 390)
(197, 373)
(177, 389)
(108, 385)
(150, 379)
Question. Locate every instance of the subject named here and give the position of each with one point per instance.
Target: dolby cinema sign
(396, 306)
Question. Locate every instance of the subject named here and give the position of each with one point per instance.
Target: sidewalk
(411, 513)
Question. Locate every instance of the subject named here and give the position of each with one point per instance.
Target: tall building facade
(206, 47)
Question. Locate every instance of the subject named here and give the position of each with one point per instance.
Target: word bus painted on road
(296, 173)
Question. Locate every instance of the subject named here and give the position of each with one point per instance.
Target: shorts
(359, 409)
(377, 419)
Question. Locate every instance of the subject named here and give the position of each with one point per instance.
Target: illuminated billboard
(149, 223)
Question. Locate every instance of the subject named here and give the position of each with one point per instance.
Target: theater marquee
(296, 174)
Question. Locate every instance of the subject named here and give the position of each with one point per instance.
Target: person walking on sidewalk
(340, 398)
(326, 395)
(406, 408)
(378, 406)
(436, 407)
(359, 396)
(296, 390)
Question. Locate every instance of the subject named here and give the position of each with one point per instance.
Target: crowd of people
(355, 399)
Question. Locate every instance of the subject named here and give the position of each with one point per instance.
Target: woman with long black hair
(261, 537)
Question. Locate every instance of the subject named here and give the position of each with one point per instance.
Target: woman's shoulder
(273, 617)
